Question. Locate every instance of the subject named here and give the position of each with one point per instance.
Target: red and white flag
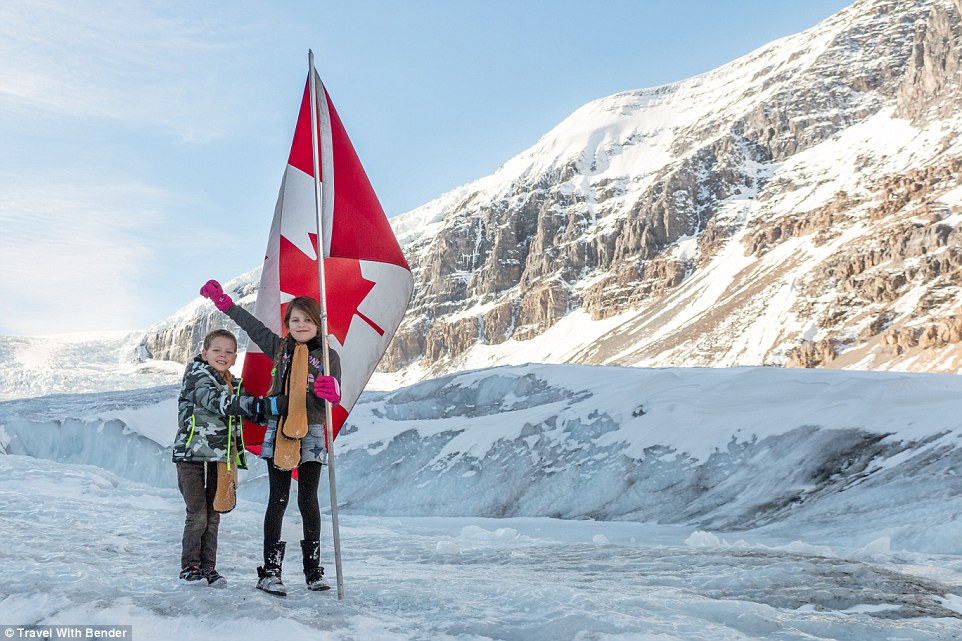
(368, 281)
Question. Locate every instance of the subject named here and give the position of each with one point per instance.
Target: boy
(208, 449)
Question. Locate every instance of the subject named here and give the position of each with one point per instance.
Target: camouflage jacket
(210, 421)
(270, 343)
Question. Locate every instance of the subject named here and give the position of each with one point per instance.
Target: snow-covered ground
(92, 548)
(748, 503)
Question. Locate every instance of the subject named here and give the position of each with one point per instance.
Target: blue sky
(142, 143)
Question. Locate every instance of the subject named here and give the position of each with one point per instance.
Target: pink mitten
(215, 293)
(326, 387)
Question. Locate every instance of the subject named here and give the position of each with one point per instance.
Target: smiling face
(221, 354)
(301, 326)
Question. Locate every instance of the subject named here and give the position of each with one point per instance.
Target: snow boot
(269, 576)
(214, 578)
(313, 572)
(191, 574)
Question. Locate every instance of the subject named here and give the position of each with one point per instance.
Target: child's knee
(279, 498)
(277, 506)
(306, 502)
(197, 520)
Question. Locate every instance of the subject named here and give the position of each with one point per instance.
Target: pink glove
(326, 387)
(215, 292)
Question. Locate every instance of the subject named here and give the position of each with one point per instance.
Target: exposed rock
(941, 333)
(822, 223)
(812, 354)
(900, 339)
(451, 339)
(499, 322)
(876, 326)
(932, 86)
(541, 307)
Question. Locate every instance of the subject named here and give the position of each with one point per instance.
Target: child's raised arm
(255, 329)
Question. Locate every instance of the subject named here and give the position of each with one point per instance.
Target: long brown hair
(312, 309)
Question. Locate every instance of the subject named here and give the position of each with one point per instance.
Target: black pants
(308, 478)
(198, 485)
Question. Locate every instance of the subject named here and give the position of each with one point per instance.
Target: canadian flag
(368, 281)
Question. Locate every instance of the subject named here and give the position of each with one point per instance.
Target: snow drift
(859, 454)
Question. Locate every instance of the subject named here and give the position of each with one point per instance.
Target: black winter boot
(191, 574)
(269, 576)
(313, 572)
(214, 578)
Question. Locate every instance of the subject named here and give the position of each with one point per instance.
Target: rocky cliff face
(932, 85)
(800, 206)
(628, 207)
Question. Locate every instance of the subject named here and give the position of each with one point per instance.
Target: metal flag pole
(327, 204)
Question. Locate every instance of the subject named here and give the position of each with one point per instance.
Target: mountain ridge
(747, 201)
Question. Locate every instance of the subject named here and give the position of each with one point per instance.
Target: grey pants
(198, 485)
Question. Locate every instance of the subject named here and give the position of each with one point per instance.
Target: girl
(208, 449)
(298, 376)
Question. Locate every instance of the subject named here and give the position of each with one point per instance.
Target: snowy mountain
(799, 206)
(752, 503)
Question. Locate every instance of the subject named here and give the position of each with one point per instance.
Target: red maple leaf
(346, 287)
(346, 290)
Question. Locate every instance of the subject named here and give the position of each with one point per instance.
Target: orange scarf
(293, 427)
(225, 499)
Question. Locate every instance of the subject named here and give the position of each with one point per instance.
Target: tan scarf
(225, 499)
(293, 427)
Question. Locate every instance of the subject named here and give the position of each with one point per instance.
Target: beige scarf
(292, 428)
(225, 499)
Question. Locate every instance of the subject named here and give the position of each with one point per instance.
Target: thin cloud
(73, 254)
(87, 91)
(138, 64)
